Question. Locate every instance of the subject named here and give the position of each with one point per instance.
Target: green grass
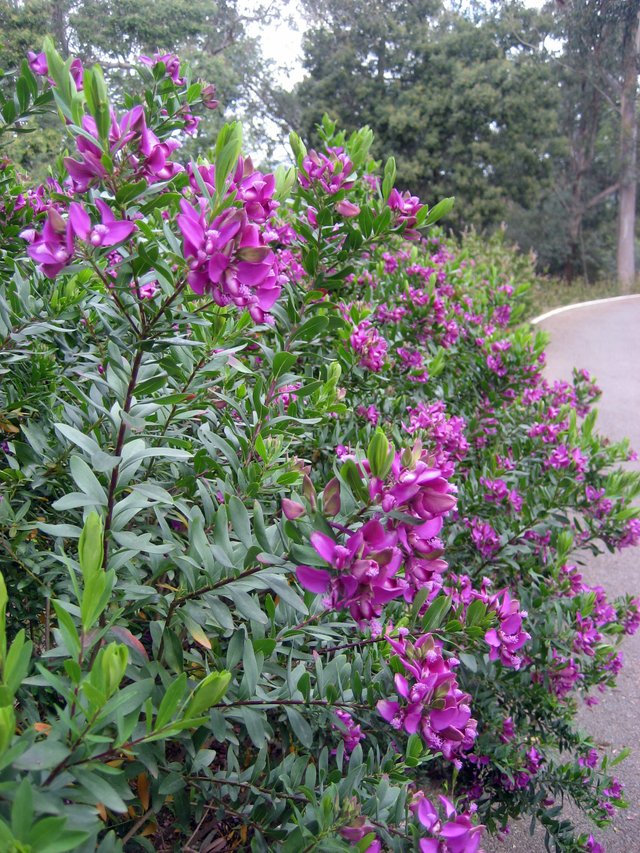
(546, 294)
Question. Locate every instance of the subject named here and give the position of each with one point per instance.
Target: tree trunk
(58, 26)
(583, 140)
(628, 152)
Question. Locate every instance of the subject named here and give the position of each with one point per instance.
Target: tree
(628, 146)
(213, 37)
(465, 105)
(601, 49)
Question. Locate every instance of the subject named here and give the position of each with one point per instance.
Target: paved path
(605, 339)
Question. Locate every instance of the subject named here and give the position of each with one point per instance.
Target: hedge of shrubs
(291, 521)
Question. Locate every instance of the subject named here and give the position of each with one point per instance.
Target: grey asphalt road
(605, 339)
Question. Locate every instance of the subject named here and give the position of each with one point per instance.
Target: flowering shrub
(291, 520)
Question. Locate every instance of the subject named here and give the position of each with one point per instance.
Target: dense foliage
(216, 37)
(515, 110)
(291, 522)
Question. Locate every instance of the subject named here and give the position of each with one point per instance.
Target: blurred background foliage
(514, 110)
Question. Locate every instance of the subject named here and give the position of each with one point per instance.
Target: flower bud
(331, 497)
(347, 208)
(378, 454)
(114, 663)
(292, 509)
(208, 693)
(208, 95)
(90, 546)
(308, 490)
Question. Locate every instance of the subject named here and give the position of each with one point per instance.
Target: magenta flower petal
(292, 509)
(387, 709)
(453, 830)
(443, 719)
(324, 545)
(427, 814)
(315, 580)
(117, 232)
(491, 637)
(402, 685)
(80, 221)
(449, 808)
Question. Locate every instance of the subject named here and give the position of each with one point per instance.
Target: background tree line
(528, 117)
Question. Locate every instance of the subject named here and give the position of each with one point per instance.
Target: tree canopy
(513, 110)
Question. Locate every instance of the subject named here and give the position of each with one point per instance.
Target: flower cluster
(508, 638)
(369, 344)
(331, 172)
(455, 833)
(430, 701)
(54, 247)
(135, 150)
(365, 567)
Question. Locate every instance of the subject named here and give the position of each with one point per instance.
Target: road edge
(564, 308)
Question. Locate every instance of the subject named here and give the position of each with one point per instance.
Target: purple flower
(370, 413)
(133, 147)
(508, 730)
(292, 509)
(592, 846)
(39, 65)
(54, 247)
(106, 233)
(171, 63)
(148, 290)
(331, 171)
(484, 537)
(365, 568)
(358, 830)
(253, 189)
(228, 259)
(430, 701)
(591, 759)
(505, 640)
(406, 207)
(350, 732)
(370, 346)
(347, 209)
(453, 833)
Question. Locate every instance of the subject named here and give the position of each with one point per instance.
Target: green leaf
(42, 756)
(17, 664)
(311, 328)
(282, 362)
(350, 473)
(170, 701)
(301, 728)
(67, 629)
(100, 100)
(476, 612)
(91, 546)
(434, 616)
(441, 209)
(389, 178)
(379, 455)
(84, 442)
(99, 788)
(209, 692)
(49, 836)
(22, 810)
(240, 521)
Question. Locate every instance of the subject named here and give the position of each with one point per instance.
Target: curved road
(605, 339)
